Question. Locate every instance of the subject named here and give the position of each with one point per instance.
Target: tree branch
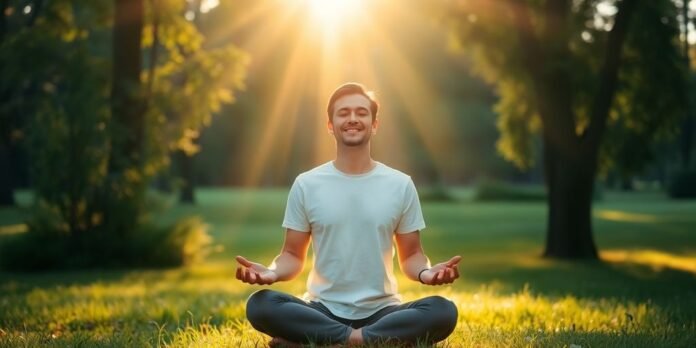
(551, 84)
(609, 73)
(529, 43)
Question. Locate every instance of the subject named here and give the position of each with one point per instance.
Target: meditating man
(353, 210)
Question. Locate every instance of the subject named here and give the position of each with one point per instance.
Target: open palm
(442, 273)
(254, 273)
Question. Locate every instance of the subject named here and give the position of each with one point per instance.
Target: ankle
(355, 337)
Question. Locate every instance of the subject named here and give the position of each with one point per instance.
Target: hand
(442, 273)
(254, 273)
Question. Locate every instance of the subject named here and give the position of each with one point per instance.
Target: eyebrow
(357, 108)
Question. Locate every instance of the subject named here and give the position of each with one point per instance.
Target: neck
(354, 160)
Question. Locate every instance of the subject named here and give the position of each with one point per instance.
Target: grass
(641, 295)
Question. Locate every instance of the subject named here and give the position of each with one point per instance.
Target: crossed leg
(289, 319)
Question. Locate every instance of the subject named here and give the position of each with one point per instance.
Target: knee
(444, 312)
(259, 306)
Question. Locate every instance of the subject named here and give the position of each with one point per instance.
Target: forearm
(415, 263)
(287, 266)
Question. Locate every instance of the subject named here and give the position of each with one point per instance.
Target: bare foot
(278, 342)
(355, 337)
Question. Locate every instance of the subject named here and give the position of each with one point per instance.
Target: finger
(440, 276)
(456, 272)
(450, 273)
(247, 274)
(445, 276)
(239, 273)
(253, 278)
(454, 261)
(243, 261)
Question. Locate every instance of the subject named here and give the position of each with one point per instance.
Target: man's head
(352, 88)
(352, 114)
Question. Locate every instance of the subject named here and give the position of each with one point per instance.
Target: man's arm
(413, 261)
(286, 266)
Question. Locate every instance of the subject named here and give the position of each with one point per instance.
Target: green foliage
(184, 244)
(683, 184)
(648, 103)
(518, 124)
(642, 116)
(435, 193)
(41, 248)
(56, 71)
(492, 190)
(190, 82)
(488, 190)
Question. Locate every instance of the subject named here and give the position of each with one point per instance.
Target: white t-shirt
(352, 219)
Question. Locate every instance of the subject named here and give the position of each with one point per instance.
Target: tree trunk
(570, 160)
(187, 173)
(688, 123)
(126, 104)
(121, 209)
(570, 183)
(6, 183)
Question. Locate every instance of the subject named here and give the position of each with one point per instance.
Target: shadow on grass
(595, 280)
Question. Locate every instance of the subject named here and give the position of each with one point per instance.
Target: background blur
(146, 143)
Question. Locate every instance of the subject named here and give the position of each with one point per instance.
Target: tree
(13, 23)
(94, 148)
(124, 186)
(688, 123)
(189, 85)
(572, 71)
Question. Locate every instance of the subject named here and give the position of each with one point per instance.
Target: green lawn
(643, 294)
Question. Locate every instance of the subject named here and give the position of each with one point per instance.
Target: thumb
(454, 261)
(243, 261)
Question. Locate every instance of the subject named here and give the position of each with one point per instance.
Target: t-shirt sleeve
(295, 213)
(411, 216)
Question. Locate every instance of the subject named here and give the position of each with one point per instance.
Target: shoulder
(394, 174)
(314, 173)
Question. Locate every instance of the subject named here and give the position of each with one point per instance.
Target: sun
(334, 14)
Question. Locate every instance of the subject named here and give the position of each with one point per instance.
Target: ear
(375, 126)
(329, 127)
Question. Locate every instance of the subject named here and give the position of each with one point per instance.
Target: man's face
(351, 122)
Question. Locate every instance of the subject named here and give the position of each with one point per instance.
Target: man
(353, 210)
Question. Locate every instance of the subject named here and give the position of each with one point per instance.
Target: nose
(353, 117)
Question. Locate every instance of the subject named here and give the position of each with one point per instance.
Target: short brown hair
(348, 89)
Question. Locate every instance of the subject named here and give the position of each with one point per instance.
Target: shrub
(184, 243)
(436, 193)
(683, 185)
(498, 191)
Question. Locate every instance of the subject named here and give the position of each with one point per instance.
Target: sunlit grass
(654, 259)
(613, 215)
(141, 313)
(13, 229)
(642, 295)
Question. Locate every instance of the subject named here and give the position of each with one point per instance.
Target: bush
(683, 185)
(498, 191)
(184, 243)
(436, 193)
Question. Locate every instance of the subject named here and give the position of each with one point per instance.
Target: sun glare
(325, 43)
(331, 14)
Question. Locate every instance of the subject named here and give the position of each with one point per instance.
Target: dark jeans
(276, 314)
